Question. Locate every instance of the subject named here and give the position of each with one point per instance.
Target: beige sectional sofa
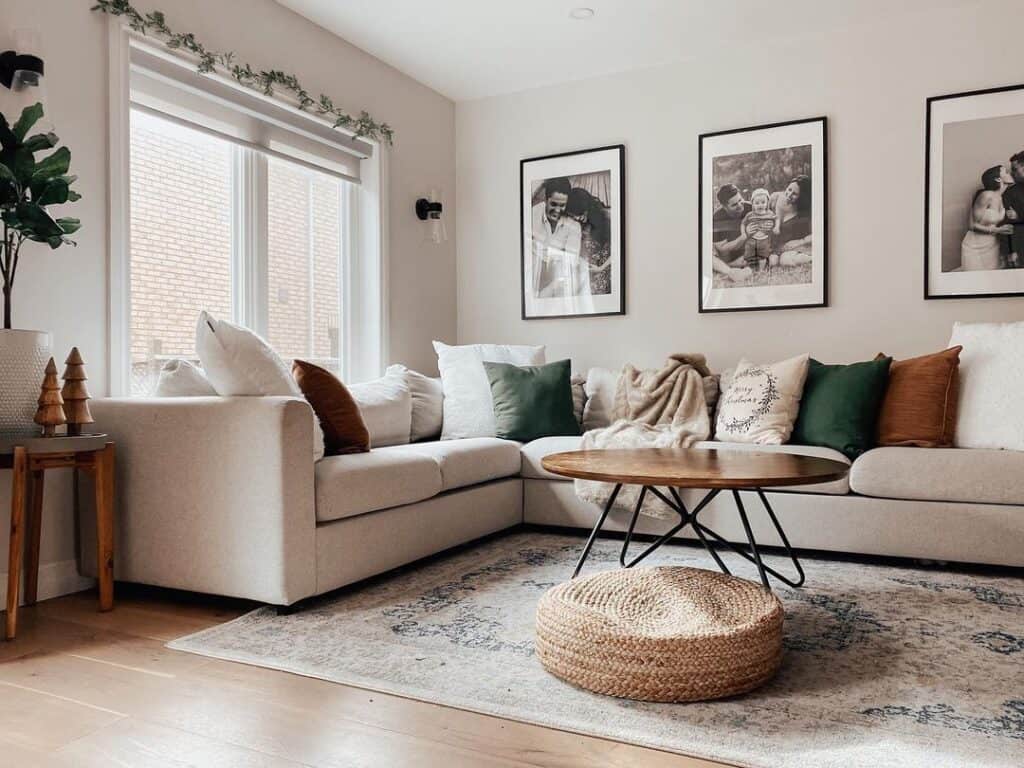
(221, 495)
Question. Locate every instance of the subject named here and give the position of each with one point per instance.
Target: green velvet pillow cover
(840, 405)
(532, 401)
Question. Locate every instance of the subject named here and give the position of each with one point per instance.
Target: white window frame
(363, 273)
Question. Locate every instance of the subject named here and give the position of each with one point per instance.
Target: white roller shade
(164, 84)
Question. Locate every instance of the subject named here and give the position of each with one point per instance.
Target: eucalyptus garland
(264, 80)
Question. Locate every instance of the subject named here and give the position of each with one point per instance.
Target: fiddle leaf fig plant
(28, 187)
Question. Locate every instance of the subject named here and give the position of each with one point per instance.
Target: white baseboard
(55, 579)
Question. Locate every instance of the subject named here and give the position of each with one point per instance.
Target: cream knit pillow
(762, 403)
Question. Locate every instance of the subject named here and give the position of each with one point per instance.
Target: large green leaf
(23, 164)
(42, 141)
(29, 117)
(54, 192)
(36, 222)
(69, 224)
(56, 164)
(5, 173)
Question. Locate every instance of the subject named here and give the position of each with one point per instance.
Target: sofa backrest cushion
(340, 419)
(183, 378)
(990, 413)
(386, 408)
(920, 404)
(427, 403)
(600, 390)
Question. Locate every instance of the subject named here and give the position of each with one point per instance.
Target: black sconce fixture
(425, 209)
(430, 209)
(21, 73)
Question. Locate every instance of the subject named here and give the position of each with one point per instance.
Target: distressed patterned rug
(884, 666)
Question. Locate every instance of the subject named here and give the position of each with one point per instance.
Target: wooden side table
(29, 458)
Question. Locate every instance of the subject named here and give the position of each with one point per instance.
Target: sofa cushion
(532, 401)
(471, 460)
(833, 488)
(977, 475)
(364, 482)
(535, 450)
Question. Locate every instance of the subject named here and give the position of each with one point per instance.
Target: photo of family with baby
(762, 223)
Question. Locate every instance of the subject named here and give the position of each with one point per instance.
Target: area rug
(884, 666)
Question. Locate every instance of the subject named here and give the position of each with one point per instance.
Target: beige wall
(65, 291)
(871, 83)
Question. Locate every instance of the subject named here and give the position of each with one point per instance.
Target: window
(243, 207)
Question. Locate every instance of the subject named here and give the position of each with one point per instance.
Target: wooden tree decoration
(76, 396)
(50, 413)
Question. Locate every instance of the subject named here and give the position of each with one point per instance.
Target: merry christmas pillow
(762, 402)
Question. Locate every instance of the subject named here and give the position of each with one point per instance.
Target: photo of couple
(571, 236)
(572, 248)
(762, 219)
(974, 203)
(995, 229)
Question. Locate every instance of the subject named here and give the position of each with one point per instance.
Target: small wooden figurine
(76, 396)
(50, 413)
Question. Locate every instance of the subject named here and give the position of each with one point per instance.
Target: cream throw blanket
(668, 407)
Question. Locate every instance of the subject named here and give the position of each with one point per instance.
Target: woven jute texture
(661, 634)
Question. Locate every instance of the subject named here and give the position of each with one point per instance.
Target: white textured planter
(23, 356)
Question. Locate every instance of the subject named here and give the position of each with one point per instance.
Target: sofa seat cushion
(983, 476)
(365, 482)
(470, 460)
(536, 450)
(833, 488)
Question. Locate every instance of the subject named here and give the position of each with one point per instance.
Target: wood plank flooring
(80, 688)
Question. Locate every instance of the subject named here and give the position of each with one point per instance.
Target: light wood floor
(79, 688)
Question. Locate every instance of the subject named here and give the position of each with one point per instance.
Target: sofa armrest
(213, 494)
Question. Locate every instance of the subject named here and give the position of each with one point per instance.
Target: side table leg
(18, 483)
(750, 538)
(597, 528)
(33, 531)
(105, 525)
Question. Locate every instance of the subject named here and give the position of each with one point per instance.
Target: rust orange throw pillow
(920, 404)
(344, 429)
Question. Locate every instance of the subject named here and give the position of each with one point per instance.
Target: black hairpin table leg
(597, 528)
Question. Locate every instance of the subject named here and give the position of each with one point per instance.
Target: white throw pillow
(238, 362)
(468, 408)
(762, 403)
(600, 389)
(990, 413)
(183, 378)
(386, 407)
(427, 399)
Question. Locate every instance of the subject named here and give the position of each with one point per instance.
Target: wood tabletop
(34, 444)
(695, 467)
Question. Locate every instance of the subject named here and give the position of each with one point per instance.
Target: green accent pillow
(840, 405)
(532, 401)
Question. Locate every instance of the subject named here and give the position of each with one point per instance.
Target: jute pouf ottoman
(661, 634)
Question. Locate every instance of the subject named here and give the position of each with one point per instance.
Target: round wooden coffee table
(712, 468)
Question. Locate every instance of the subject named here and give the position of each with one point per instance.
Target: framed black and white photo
(974, 195)
(763, 217)
(573, 243)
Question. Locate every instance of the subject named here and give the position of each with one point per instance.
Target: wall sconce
(21, 73)
(429, 209)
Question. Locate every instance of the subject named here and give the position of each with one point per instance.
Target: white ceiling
(468, 49)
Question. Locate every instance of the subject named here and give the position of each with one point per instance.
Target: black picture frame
(930, 102)
(824, 302)
(621, 310)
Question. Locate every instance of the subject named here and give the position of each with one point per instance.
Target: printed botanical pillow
(762, 403)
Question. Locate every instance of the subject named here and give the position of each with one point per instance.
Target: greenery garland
(264, 81)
